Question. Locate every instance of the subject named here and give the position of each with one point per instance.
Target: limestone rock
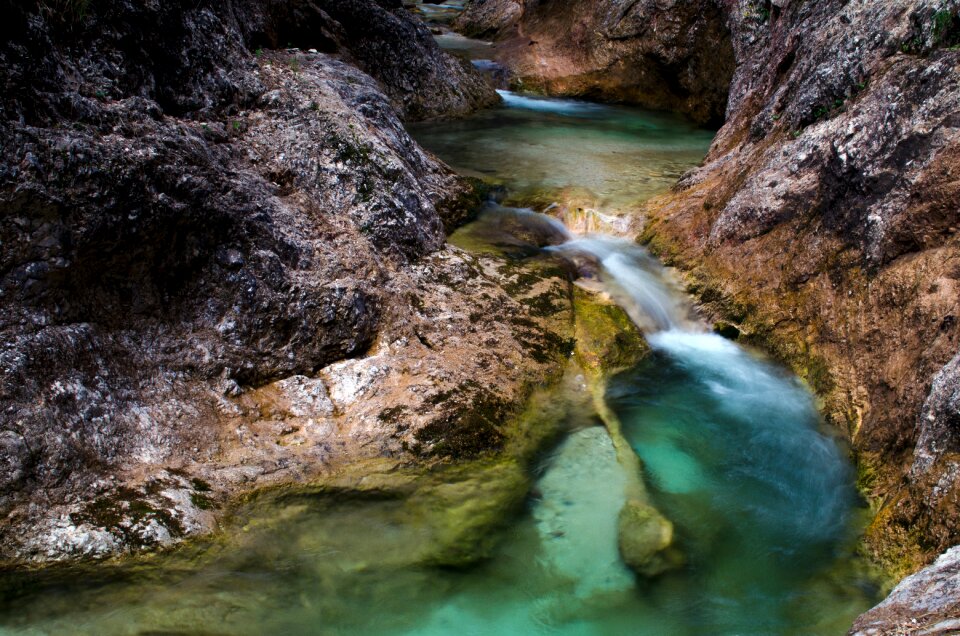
(381, 38)
(924, 603)
(204, 205)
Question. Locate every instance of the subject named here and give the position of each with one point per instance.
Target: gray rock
(923, 603)
(938, 427)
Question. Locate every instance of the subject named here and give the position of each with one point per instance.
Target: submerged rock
(645, 539)
(608, 342)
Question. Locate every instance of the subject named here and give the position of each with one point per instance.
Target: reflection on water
(463, 46)
(441, 12)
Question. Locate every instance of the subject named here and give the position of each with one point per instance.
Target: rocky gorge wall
(223, 260)
(223, 265)
(674, 55)
(824, 223)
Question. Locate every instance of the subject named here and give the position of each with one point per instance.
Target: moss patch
(125, 510)
(645, 537)
(465, 432)
(607, 340)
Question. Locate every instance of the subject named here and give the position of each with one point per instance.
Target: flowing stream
(732, 444)
(762, 499)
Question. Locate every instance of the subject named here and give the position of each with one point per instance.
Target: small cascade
(727, 442)
(586, 220)
(544, 105)
(635, 280)
(761, 501)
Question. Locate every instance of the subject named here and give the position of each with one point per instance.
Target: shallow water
(762, 500)
(465, 47)
(441, 13)
(732, 444)
(763, 503)
(606, 157)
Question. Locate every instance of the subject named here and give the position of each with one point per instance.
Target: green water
(763, 503)
(610, 158)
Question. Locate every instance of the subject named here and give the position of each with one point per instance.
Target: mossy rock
(441, 512)
(464, 515)
(463, 206)
(646, 539)
(607, 340)
(446, 515)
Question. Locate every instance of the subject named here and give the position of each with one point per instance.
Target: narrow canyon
(480, 316)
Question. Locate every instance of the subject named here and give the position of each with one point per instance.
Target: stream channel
(761, 496)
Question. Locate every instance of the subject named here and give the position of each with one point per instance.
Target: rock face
(925, 603)
(380, 38)
(673, 55)
(211, 247)
(824, 222)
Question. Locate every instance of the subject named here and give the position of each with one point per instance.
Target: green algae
(607, 340)
(464, 433)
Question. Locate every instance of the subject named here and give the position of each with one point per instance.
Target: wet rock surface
(210, 246)
(666, 55)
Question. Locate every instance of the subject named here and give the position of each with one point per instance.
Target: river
(734, 453)
(734, 450)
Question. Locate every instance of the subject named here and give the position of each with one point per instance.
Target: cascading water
(732, 449)
(636, 280)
